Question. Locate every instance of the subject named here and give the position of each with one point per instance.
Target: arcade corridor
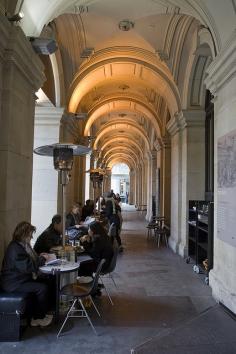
(158, 295)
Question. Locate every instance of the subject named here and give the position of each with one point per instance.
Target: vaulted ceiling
(131, 65)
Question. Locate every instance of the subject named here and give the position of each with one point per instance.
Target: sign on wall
(226, 181)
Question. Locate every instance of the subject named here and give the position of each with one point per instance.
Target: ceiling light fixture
(87, 52)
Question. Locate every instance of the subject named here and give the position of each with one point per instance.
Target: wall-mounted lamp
(16, 17)
(45, 46)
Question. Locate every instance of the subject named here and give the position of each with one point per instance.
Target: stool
(12, 307)
(159, 233)
(150, 227)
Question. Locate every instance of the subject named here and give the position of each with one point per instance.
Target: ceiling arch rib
(123, 148)
(126, 151)
(120, 104)
(120, 140)
(117, 160)
(121, 156)
(127, 124)
(140, 72)
(115, 128)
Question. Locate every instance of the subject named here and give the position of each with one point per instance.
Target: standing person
(111, 212)
(118, 198)
(127, 198)
(20, 272)
(51, 237)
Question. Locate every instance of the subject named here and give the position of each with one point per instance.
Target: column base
(221, 293)
(182, 250)
(173, 244)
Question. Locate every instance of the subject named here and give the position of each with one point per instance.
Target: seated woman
(74, 217)
(98, 245)
(20, 272)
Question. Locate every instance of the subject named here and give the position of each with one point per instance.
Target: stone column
(163, 150)
(45, 177)
(221, 81)
(21, 75)
(144, 185)
(150, 183)
(138, 184)
(132, 187)
(153, 181)
(187, 172)
(193, 168)
(107, 186)
(175, 129)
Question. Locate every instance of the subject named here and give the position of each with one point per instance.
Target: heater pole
(63, 181)
(63, 215)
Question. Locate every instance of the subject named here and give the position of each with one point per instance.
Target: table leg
(58, 285)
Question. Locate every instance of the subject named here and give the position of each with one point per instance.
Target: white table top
(67, 267)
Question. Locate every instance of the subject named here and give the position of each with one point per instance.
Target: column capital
(162, 143)
(223, 67)
(154, 154)
(48, 115)
(185, 118)
(193, 118)
(175, 124)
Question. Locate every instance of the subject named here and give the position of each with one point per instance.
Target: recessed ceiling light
(123, 87)
(126, 25)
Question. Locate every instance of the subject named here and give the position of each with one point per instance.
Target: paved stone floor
(158, 293)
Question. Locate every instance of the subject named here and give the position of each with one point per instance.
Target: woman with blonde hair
(20, 272)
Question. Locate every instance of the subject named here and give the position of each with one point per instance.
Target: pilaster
(221, 81)
(21, 76)
(45, 177)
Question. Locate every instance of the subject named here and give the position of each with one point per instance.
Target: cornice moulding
(194, 118)
(20, 53)
(183, 119)
(48, 116)
(223, 68)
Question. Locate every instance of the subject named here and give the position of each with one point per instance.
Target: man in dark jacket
(51, 237)
(111, 211)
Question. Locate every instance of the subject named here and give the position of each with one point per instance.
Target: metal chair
(108, 272)
(80, 292)
(156, 223)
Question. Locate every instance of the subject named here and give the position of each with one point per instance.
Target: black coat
(48, 239)
(112, 212)
(87, 210)
(17, 267)
(100, 248)
(72, 219)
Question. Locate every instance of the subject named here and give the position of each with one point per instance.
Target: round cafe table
(57, 271)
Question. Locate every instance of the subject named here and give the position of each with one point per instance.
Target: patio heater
(63, 161)
(96, 177)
